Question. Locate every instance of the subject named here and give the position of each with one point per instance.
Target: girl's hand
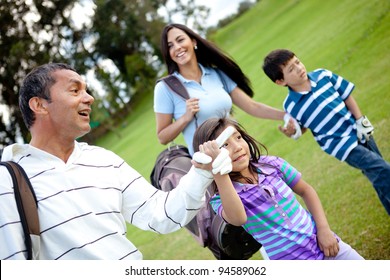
(327, 242)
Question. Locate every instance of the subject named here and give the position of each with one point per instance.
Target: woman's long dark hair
(208, 54)
(211, 128)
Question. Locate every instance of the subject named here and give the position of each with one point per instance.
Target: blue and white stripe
(324, 112)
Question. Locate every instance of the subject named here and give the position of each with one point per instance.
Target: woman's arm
(325, 237)
(257, 109)
(167, 129)
(260, 110)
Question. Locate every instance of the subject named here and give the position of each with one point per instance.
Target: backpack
(224, 240)
(172, 164)
(27, 205)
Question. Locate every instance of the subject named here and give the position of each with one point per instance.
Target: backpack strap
(26, 202)
(176, 86)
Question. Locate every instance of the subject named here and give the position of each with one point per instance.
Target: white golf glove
(364, 129)
(298, 131)
(222, 163)
(202, 158)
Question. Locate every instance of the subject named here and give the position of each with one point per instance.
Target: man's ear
(280, 82)
(38, 105)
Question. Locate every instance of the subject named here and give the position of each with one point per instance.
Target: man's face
(70, 105)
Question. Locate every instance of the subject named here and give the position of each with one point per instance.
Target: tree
(128, 34)
(191, 14)
(30, 35)
(125, 33)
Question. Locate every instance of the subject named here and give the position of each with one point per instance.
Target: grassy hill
(351, 38)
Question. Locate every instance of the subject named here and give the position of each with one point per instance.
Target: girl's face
(180, 46)
(239, 152)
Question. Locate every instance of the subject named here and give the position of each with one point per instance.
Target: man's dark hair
(37, 84)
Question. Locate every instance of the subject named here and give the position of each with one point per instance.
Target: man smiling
(85, 193)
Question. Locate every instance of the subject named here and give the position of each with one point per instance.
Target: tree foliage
(124, 33)
(30, 34)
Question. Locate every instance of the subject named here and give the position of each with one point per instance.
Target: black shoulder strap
(26, 202)
(175, 85)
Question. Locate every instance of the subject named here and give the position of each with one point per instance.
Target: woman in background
(214, 83)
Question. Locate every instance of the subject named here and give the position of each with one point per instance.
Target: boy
(322, 102)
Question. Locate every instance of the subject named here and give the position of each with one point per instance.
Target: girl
(259, 195)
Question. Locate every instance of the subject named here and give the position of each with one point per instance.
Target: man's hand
(364, 128)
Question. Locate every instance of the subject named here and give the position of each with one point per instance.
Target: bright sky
(219, 9)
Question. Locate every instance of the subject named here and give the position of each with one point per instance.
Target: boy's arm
(353, 107)
(363, 125)
(325, 237)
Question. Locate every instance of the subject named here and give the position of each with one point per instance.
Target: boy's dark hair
(37, 84)
(208, 54)
(273, 62)
(211, 128)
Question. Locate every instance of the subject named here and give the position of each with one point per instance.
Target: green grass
(351, 38)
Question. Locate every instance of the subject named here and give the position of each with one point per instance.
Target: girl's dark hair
(208, 54)
(274, 61)
(211, 128)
